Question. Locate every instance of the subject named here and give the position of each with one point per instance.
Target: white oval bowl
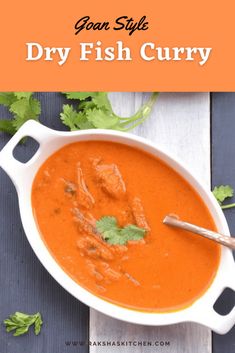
(22, 175)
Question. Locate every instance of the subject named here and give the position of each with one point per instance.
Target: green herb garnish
(222, 193)
(113, 234)
(20, 323)
(94, 110)
(23, 107)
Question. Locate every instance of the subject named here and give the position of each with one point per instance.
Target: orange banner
(122, 46)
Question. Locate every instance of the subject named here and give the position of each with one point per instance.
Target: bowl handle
(220, 323)
(14, 168)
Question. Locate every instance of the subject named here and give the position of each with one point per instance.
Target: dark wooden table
(26, 286)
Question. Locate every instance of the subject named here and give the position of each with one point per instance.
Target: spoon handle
(225, 240)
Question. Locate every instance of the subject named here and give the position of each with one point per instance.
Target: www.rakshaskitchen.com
(119, 343)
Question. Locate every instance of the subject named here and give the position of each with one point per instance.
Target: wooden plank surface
(223, 172)
(180, 124)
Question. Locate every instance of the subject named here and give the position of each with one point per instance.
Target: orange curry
(166, 270)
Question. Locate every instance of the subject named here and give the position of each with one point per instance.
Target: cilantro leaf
(101, 100)
(114, 237)
(96, 112)
(20, 95)
(7, 98)
(69, 117)
(37, 324)
(132, 232)
(23, 107)
(73, 119)
(23, 110)
(110, 231)
(19, 107)
(20, 323)
(85, 105)
(223, 192)
(106, 223)
(101, 119)
(7, 126)
(79, 95)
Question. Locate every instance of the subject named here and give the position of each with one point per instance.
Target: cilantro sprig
(94, 110)
(23, 107)
(20, 323)
(222, 193)
(110, 231)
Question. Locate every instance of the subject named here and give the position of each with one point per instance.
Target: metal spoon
(174, 221)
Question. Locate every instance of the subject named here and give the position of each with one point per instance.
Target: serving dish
(22, 175)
